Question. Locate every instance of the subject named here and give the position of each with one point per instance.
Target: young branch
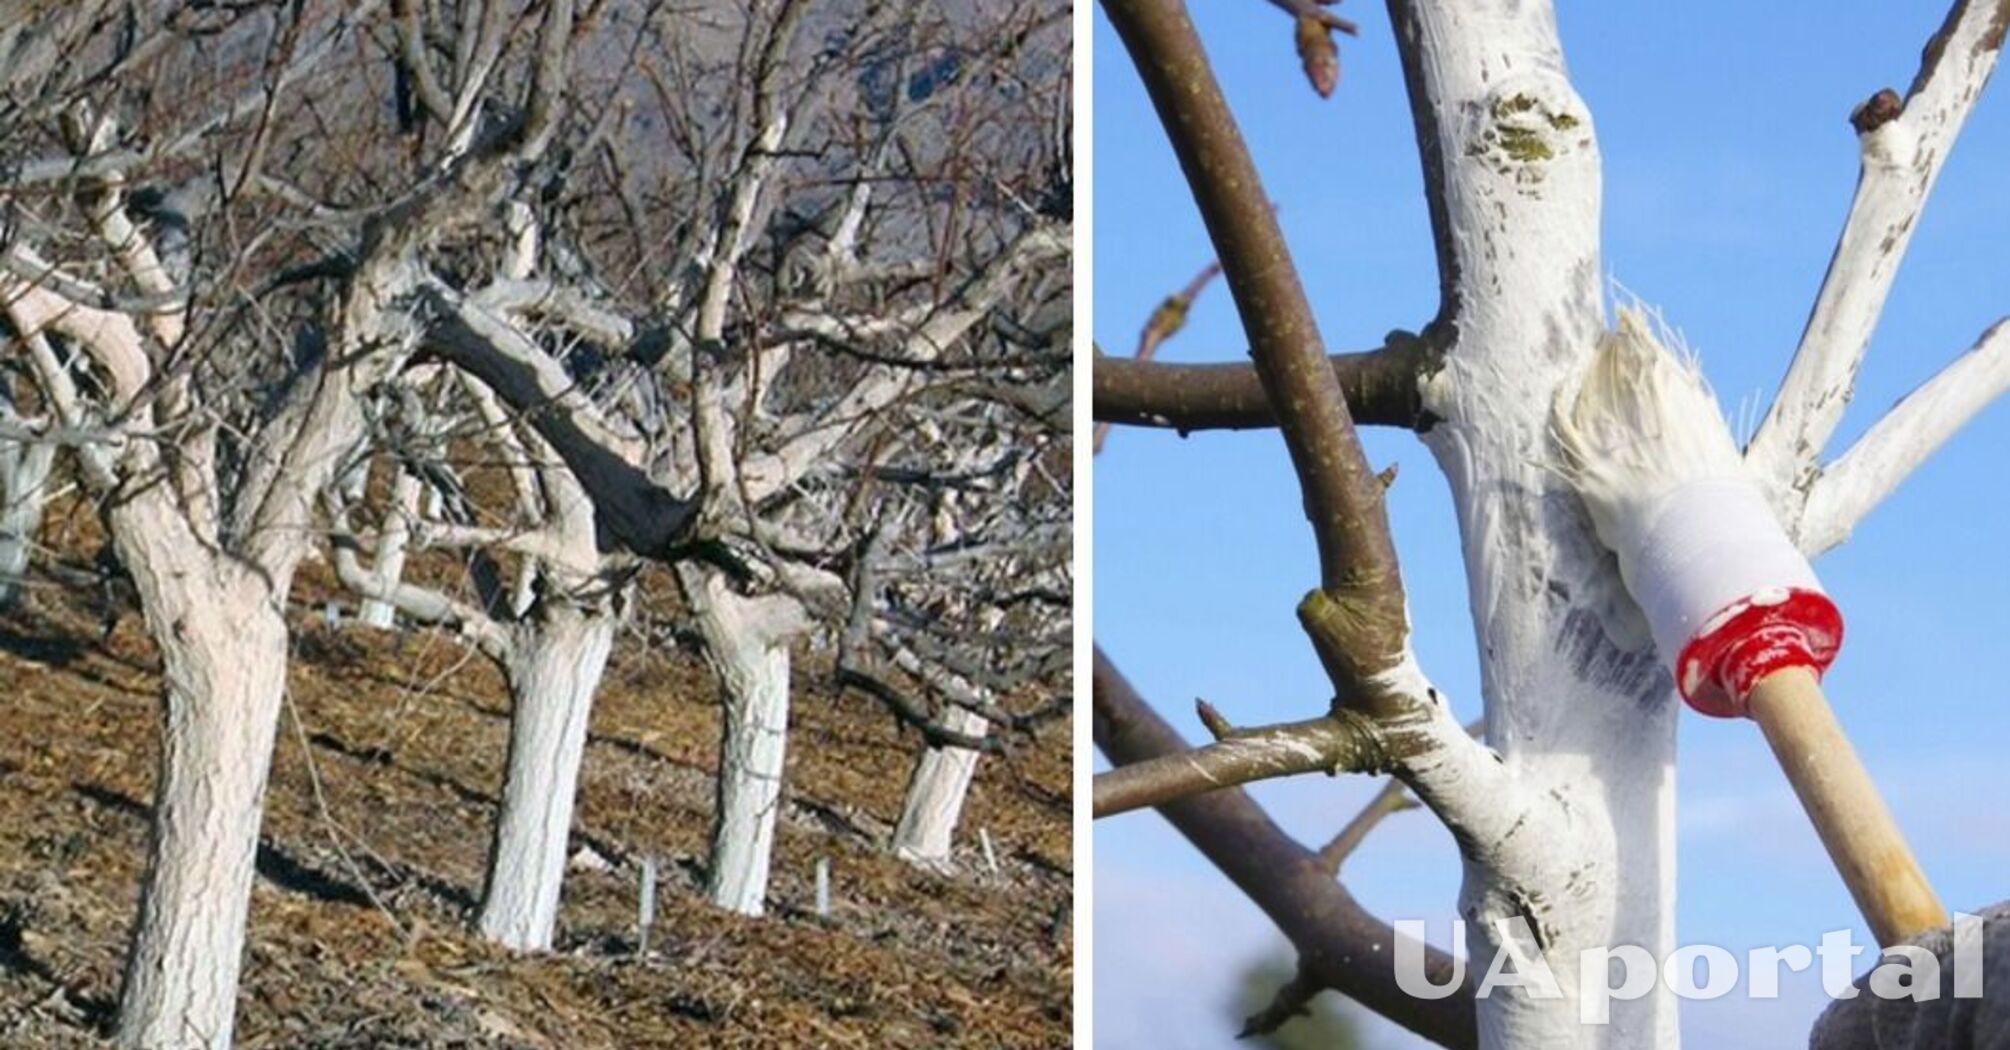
(1341, 741)
(1340, 945)
(1393, 798)
(1904, 143)
(1165, 321)
(1381, 388)
(1898, 443)
(1343, 499)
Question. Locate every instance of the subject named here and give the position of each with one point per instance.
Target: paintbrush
(1732, 603)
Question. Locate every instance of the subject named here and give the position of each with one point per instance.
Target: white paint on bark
(553, 673)
(1901, 160)
(24, 490)
(393, 540)
(1897, 444)
(1577, 704)
(935, 793)
(223, 654)
(747, 642)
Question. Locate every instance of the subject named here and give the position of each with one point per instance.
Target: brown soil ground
(376, 825)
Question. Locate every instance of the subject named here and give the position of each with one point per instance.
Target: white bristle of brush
(1648, 449)
(1644, 422)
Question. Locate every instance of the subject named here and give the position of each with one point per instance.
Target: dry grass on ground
(376, 826)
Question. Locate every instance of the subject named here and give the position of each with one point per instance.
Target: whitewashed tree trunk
(935, 794)
(223, 653)
(747, 642)
(553, 674)
(24, 490)
(1577, 703)
(392, 542)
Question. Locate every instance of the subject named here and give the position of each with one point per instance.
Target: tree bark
(392, 542)
(552, 675)
(747, 642)
(223, 651)
(1577, 702)
(935, 794)
(24, 490)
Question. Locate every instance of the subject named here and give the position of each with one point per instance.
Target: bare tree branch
(1343, 500)
(1381, 387)
(1340, 945)
(1904, 145)
(1897, 444)
(1341, 741)
(1393, 798)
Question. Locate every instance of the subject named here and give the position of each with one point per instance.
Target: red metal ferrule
(1752, 638)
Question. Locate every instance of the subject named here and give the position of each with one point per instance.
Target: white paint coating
(1897, 444)
(553, 673)
(747, 642)
(1901, 161)
(1578, 707)
(934, 801)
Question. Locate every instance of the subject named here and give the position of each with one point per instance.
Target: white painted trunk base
(756, 693)
(24, 489)
(557, 668)
(225, 667)
(394, 539)
(935, 795)
(747, 642)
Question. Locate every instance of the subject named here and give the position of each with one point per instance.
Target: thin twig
(1339, 943)
(334, 830)
(1164, 323)
(1393, 798)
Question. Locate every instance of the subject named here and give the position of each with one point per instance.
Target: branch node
(1219, 727)
(1292, 1000)
(1877, 111)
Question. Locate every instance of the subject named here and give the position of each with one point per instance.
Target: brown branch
(1330, 743)
(1340, 945)
(1381, 387)
(1164, 323)
(1310, 9)
(1393, 798)
(1358, 625)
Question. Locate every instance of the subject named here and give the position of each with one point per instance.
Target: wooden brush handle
(1855, 826)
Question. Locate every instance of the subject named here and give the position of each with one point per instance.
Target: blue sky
(1728, 167)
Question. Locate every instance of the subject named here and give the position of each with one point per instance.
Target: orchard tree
(547, 603)
(1564, 822)
(704, 278)
(960, 619)
(854, 240)
(207, 283)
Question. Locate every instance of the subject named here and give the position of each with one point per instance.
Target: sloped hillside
(376, 824)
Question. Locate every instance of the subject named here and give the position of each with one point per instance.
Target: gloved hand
(1870, 1022)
